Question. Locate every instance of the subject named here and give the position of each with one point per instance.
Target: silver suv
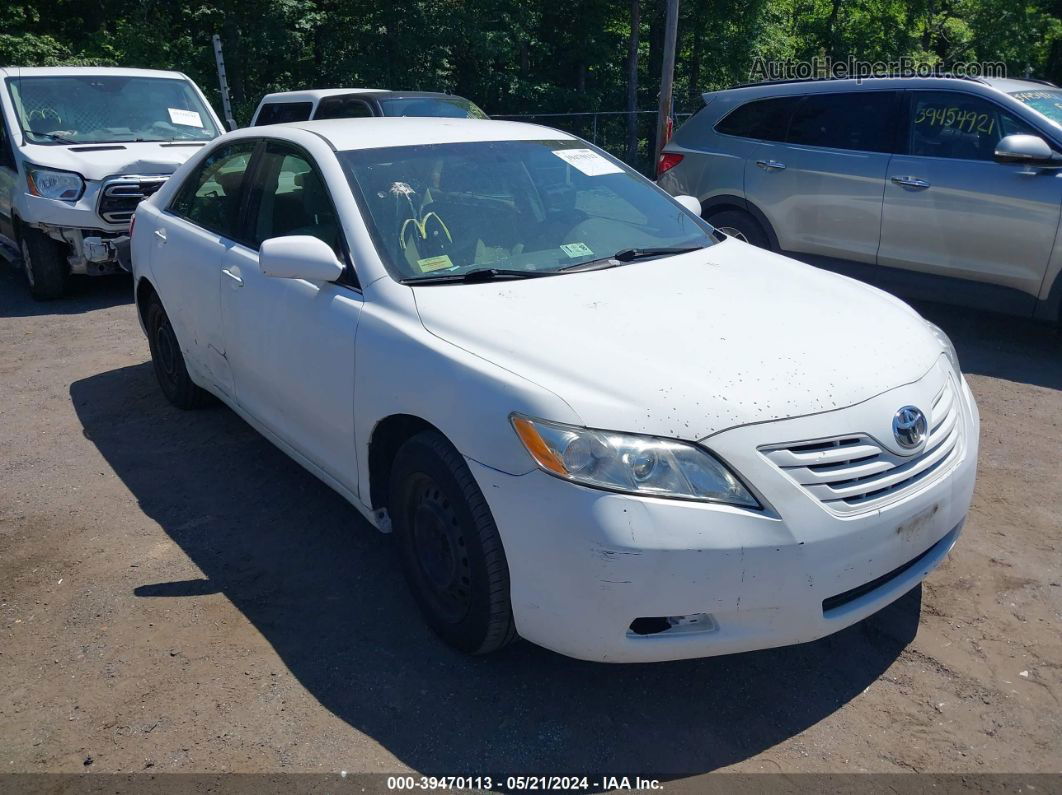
(942, 188)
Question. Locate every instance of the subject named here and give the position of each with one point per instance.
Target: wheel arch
(727, 201)
(144, 292)
(388, 435)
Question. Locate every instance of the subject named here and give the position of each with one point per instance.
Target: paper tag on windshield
(576, 249)
(588, 161)
(189, 118)
(429, 264)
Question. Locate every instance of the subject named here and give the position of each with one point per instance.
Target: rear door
(951, 210)
(190, 243)
(821, 188)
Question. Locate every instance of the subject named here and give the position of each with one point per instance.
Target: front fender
(401, 368)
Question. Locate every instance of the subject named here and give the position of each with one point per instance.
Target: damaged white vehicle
(80, 147)
(589, 419)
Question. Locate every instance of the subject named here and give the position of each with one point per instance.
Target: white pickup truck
(79, 148)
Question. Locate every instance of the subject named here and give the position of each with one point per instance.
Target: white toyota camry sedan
(589, 419)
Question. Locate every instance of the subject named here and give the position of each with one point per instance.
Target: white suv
(79, 148)
(440, 317)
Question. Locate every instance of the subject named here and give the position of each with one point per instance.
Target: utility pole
(667, 76)
(223, 83)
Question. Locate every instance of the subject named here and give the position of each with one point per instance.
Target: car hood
(98, 161)
(691, 345)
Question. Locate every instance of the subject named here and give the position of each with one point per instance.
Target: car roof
(87, 71)
(374, 133)
(1010, 85)
(312, 94)
(824, 85)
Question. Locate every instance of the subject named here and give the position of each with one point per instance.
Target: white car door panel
(189, 244)
(188, 271)
(290, 347)
(289, 343)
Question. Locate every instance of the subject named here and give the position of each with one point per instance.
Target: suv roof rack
(1037, 80)
(830, 78)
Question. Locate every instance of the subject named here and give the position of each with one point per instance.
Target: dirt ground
(177, 595)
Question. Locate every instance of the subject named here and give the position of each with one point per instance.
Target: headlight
(630, 463)
(945, 343)
(64, 185)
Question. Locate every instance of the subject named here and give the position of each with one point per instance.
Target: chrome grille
(120, 196)
(854, 473)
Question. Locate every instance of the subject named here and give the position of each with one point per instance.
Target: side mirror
(1028, 149)
(691, 203)
(299, 257)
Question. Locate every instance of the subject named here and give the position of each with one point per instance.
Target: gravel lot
(177, 595)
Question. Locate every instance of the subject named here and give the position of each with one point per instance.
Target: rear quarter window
(762, 119)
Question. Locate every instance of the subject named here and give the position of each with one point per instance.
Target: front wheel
(44, 263)
(168, 362)
(449, 546)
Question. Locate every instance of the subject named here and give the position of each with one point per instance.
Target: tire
(741, 225)
(449, 546)
(168, 362)
(44, 263)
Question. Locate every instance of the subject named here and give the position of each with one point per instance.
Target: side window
(210, 196)
(283, 112)
(293, 199)
(858, 120)
(956, 125)
(342, 108)
(763, 119)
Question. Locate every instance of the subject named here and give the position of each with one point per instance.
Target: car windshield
(451, 107)
(93, 109)
(524, 206)
(1047, 102)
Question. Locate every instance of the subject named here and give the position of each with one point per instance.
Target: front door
(290, 342)
(8, 181)
(951, 210)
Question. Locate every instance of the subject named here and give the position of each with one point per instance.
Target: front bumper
(584, 563)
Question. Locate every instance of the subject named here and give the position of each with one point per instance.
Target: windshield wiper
(478, 276)
(52, 136)
(629, 255)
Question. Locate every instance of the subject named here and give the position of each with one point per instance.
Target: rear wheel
(450, 549)
(44, 262)
(740, 225)
(168, 361)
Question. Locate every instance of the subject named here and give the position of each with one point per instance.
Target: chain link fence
(607, 129)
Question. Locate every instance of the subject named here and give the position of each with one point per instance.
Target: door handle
(161, 235)
(233, 276)
(910, 182)
(770, 165)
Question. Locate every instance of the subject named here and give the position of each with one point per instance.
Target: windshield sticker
(429, 264)
(188, 118)
(588, 161)
(576, 249)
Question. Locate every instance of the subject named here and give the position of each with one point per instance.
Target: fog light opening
(672, 625)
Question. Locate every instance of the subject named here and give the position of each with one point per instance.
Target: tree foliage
(519, 56)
